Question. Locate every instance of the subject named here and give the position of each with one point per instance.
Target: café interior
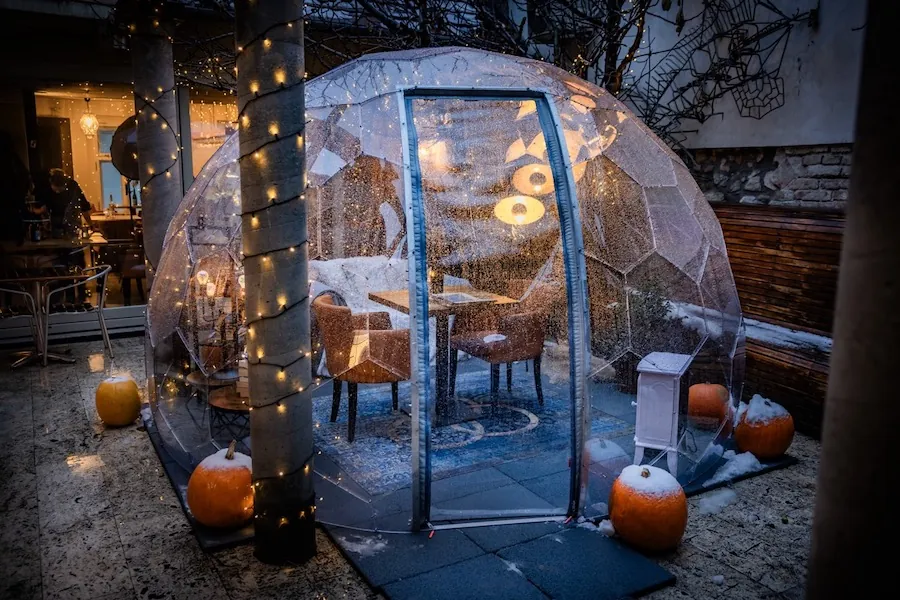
(88, 236)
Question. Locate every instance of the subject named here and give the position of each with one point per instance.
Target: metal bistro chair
(35, 330)
(100, 275)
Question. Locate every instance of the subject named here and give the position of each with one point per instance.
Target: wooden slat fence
(785, 264)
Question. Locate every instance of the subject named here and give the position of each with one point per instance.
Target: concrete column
(270, 63)
(156, 106)
(855, 521)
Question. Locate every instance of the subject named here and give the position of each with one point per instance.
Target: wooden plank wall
(785, 265)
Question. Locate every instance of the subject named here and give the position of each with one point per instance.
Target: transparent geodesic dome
(506, 266)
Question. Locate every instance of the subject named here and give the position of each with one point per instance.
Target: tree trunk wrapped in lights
(157, 140)
(269, 38)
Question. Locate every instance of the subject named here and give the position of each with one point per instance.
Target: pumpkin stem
(229, 454)
(645, 472)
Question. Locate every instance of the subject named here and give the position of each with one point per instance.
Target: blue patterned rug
(379, 459)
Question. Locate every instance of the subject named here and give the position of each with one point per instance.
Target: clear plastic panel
(634, 151)
(360, 312)
(500, 399)
(617, 227)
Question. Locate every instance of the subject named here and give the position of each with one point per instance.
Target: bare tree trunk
(854, 516)
(269, 36)
(159, 158)
(612, 80)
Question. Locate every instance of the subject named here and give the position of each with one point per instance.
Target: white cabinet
(658, 394)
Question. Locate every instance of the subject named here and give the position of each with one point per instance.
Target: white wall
(821, 73)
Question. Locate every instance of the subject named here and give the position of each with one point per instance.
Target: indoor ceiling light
(519, 210)
(88, 121)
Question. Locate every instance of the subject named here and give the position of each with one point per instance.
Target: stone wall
(801, 176)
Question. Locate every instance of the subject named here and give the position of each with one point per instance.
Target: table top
(100, 217)
(46, 278)
(218, 379)
(228, 399)
(399, 300)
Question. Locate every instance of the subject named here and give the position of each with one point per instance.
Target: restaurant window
(213, 119)
(110, 232)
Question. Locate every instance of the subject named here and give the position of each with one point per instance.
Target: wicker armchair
(360, 348)
(522, 332)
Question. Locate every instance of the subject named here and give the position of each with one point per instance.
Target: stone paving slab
(577, 563)
(486, 577)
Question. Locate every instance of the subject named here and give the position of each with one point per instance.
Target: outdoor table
(114, 226)
(448, 410)
(228, 412)
(38, 294)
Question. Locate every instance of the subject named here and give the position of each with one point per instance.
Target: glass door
(498, 400)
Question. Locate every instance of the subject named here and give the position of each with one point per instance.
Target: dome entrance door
(496, 413)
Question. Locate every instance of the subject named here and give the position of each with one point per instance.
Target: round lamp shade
(123, 149)
(536, 179)
(519, 210)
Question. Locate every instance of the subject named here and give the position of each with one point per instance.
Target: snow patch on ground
(603, 450)
(658, 483)
(511, 566)
(763, 410)
(718, 579)
(786, 338)
(600, 508)
(693, 317)
(714, 502)
(364, 546)
(737, 465)
(712, 450)
(605, 527)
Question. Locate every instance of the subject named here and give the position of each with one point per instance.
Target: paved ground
(87, 512)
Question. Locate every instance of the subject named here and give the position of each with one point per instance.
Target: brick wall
(799, 176)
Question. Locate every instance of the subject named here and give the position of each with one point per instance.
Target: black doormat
(527, 561)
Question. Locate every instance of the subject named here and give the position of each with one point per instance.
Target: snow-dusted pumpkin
(220, 490)
(118, 400)
(764, 428)
(648, 508)
(707, 404)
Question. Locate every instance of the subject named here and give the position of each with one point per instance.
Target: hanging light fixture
(88, 121)
(519, 210)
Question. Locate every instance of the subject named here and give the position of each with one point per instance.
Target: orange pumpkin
(766, 429)
(648, 508)
(707, 405)
(220, 490)
(118, 401)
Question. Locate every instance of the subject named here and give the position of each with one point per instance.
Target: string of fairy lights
(270, 139)
(156, 115)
